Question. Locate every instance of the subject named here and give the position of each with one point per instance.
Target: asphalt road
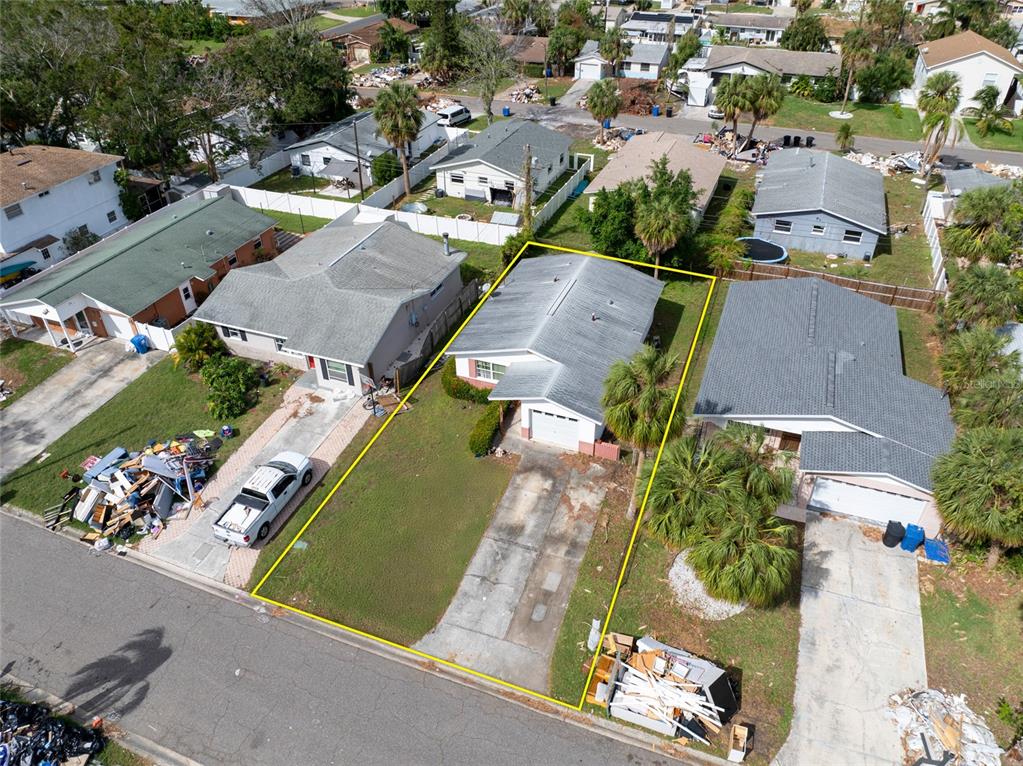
(203, 676)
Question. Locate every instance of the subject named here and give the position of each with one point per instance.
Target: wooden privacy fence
(916, 298)
(439, 328)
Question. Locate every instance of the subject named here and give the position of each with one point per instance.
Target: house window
(83, 229)
(482, 180)
(279, 344)
(257, 245)
(186, 293)
(326, 160)
(12, 211)
(335, 370)
(990, 78)
(230, 332)
(112, 216)
(644, 67)
(457, 178)
(561, 160)
(782, 227)
(232, 259)
(509, 186)
(45, 252)
(43, 194)
(95, 178)
(852, 236)
(436, 290)
(489, 370)
(306, 161)
(818, 229)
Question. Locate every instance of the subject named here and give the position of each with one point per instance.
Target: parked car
(262, 498)
(450, 116)
(715, 114)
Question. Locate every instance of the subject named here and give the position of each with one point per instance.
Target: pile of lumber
(934, 725)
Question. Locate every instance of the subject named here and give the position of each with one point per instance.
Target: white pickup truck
(262, 497)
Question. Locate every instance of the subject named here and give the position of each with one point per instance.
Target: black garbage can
(893, 534)
(554, 101)
(786, 141)
(797, 141)
(809, 141)
(668, 112)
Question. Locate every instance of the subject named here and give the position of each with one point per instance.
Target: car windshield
(281, 466)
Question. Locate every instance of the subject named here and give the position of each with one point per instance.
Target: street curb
(153, 751)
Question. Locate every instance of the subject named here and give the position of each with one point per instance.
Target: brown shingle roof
(526, 50)
(29, 170)
(370, 35)
(938, 52)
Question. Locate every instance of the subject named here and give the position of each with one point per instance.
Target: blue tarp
(113, 458)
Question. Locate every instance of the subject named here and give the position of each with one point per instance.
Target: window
(306, 161)
(112, 216)
(436, 290)
(257, 245)
(782, 227)
(561, 160)
(457, 178)
(95, 178)
(644, 67)
(45, 251)
(489, 370)
(852, 236)
(186, 293)
(230, 332)
(282, 486)
(326, 160)
(12, 211)
(278, 344)
(43, 194)
(335, 370)
(990, 78)
(232, 259)
(83, 229)
(509, 186)
(818, 229)
(482, 180)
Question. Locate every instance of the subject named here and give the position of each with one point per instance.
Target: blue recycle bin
(141, 343)
(607, 124)
(506, 111)
(656, 110)
(914, 538)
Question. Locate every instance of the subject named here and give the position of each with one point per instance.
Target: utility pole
(527, 189)
(358, 158)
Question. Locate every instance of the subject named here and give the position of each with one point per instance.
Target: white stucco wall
(475, 188)
(974, 73)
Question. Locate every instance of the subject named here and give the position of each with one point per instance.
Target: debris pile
(526, 95)
(1011, 172)
(615, 138)
(907, 162)
(726, 143)
(936, 725)
(436, 103)
(31, 734)
(381, 77)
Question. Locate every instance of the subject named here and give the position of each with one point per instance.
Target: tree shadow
(119, 681)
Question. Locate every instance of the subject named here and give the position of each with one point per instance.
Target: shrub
(197, 344)
(385, 168)
(457, 388)
(231, 381)
(486, 428)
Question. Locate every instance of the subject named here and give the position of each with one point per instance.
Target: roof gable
(502, 145)
(948, 50)
(26, 171)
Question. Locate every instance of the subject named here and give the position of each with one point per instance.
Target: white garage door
(588, 70)
(556, 429)
(117, 325)
(871, 504)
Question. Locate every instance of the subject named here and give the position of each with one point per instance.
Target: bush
(457, 388)
(197, 344)
(486, 428)
(385, 168)
(231, 381)
(826, 90)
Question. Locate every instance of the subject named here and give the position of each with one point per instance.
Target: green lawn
(868, 119)
(296, 223)
(920, 347)
(320, 22)
(24, 365)
(553, 189)
(389, 550)
(160, 403)
(199, 47)
(483, 260)
(447, 206)
(1004, 142)
(480, 123)
(354, 11)
(284, 182)
(469, 88)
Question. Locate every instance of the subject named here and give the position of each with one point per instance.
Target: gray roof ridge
(555, 304)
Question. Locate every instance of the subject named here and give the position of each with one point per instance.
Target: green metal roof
(136, 266)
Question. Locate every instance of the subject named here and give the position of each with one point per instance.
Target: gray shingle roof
(335, 293)
(352, 26)
(502, 144)
(648, 53)
(968, 179)
(749, 20)
(807, 348)
(775, 60)
(798, 180)
(341, 135)
(546, 305)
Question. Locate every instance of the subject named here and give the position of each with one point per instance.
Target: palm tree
(732, 98)
(399, 119)
(982, 296)
(989, 114)
(994, 400)
(939, 100)
(945, 21)
(614, 47)
(844, 136)
(978, 487)
(748, 556)
(515, 14)
(659, 224)
(766, 94)
(971, 355)
(757, 464)
(857, 52)
(983, 227)
(636, 407)
(692, 490)
(603, 101)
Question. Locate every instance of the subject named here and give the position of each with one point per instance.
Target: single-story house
(156, 271)
(633, 162)
(653, 27)
(347, 301)
(331, 153)
(977, 62)
(820, 367)
(547, 338)
(725, 60)
(942, 202)
(643, 62)
(755, 28)
(490, 165)
(360, 38)
(817, 201)
(526, 49)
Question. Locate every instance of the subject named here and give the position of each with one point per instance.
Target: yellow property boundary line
(635, 529)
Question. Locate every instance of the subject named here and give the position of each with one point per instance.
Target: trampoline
(762, 251)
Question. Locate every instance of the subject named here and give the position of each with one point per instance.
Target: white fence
(560, 197)
(245, 175)
(395, 188)
(473, 231)
(159, 337)
(283, 203)
(937, 257)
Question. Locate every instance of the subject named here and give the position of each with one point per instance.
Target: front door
(187, 298)
(83, 323)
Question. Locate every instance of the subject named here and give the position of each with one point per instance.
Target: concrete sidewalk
(97, 373)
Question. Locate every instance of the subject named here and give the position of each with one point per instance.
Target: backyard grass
(554, 188)
(160, 403)
(483, 260)
(297, 223)
(882, 120)
(480, 123)
(390, 548)
(24, 365)
(470, 88)
(974, 645)
(1005, 142)
(284, 182)
(920, 347)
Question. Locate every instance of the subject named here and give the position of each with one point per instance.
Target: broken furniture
(738, 744)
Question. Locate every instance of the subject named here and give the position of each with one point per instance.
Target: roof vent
(556, 277)
(209, 232)
(593, 317)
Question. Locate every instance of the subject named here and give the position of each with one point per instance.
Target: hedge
(486, 428)
(457, 388)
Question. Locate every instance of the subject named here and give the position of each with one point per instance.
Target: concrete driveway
(62, 401)
(504, 619)
(861, 639)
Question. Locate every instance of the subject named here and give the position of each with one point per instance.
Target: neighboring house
(47, 192)
(347, 301)
(154, 272)
(489, 166)
(942, 202)
(525, 49)
(653, 27)
(589, 64)
(547, 338)
(752, 28)
(923, 7)
(977, 62)
(264, 142)
(836, 28)
(644, 62)
(817, 201)
(820, 368)
(633, 161)
(724, 60)
(611, 15)
(238, 12)
(360, 39)
(332, 153)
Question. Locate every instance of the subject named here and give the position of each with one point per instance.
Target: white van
(450, 116)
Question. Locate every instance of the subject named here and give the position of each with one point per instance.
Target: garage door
(871, 504)
(117, 325)
(589, 70)
(556, 429)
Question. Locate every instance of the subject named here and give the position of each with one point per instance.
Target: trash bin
(553, 101)
(668, 111)
(894, 534)
(913, 539)
(797, 141)
(809, 141)
(140, 343)
(506, 111)
(786, 141)
(656, 110)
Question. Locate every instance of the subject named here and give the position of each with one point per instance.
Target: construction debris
(1011, 172)
(436, 103)
(941, 728)
(34, 734)
(737, 146)
(526, 95)
(381, 77)
(907, 162)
